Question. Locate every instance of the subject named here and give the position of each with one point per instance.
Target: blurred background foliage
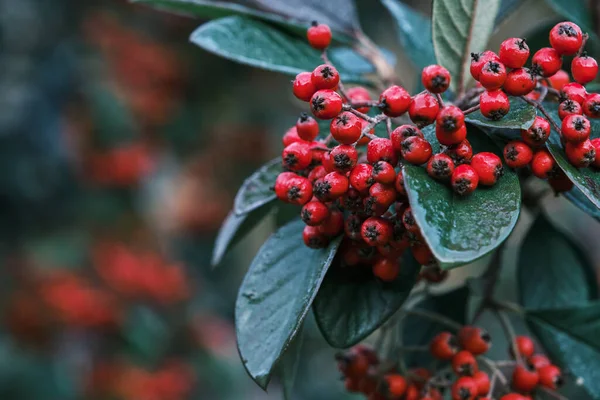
(121, 148)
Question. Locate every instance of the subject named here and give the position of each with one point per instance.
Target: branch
(492, 366)
(544, 112)
(472, 109)
(510, 334)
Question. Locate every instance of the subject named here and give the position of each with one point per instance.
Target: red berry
(474, 339)
(546, 61)
(575, 128)
(346, 128)
(523, 379)
(381, 149)
(314, 212)
(319, 36)
(443, 346)
(386, 269)
(303, 87)
(331, 186)
(313, 238)
(395, 385)
(582, 154)
(519, 82)
(352, 226)
(395, 101)
(596, 144)
(464, 364)
(478, 60)
(423, 255)
(327, 162)
(291, 136)
(569, 107)
(325, 76)
(333, 224)
(399, 184)
(550, 377)
(465, 388)
(344, 157)
(464, 179)
(483, 382)
(494, 104)
(542, 164)
(573, 91)
(297, 156)
(591, 105)
(359, 94)
(317, 173)
(440, 167)
(514, 52)
(409, 222)
(402, 132)
(584, 69)
(383, 172)
(416, 150)
(538, 361)
(376, 231)
(566, 38)
(435, 78)
(412, 393)
(559, 79)
(361, 177)
(293, 189)
(372, 207)
(525, 346)
(424, 109)
(460, 153)
(450, 118)
(326, 104)
(307, 127)
(453, 138)
(352, 200)
(517, 154)
(538, 133)
(488, 167)
(493, 75)
(383, 195)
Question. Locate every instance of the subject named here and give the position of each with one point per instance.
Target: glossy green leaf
(520, 116)
(235, 228)
(414, 33)
(458, 229)
(257, 44)
(275, 296)
(577, 197)
(257, 190)
(288, 365)
(460, 28)
(351, 304)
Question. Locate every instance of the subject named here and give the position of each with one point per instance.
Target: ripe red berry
(344, 157)
(409, 222)
(464, 364)
(352, 226)
(386, 269)
(450, 118)
(424, 109)
(524, 379)
(566, 38)
(465, 388)
(575, 128)
(460, 153)
(359, 94)
(394, 385)
(546, 62)
(435, 78)
(591, 105)
(573, 91)
(331, 186)
(373, 208)
(488, 167)
(538, 133)
(317, 173)
(474, 339)
(423, 255)
(383, 195)
(319, 36)
(582, 154)
(297, 156)
(307, 127)
(519, 82)
(303, 87)
(525, 346)
(395, 101)
(402, 132)
(399, 184)
(333, 224)
(293, 189)
(596, 144)
(416, 150)
(542, 164)
(383, 172)
(443, 346)
(314, 212)
(494, 104)
(376, 231)
(483, 382)
(478, 60)
(517, 154)
(325, 76)
(493, 75)
(361, 177)
(440, 167)
(291, 136)
(464, 179)
(584, 69)
(514, 52)
(412, 393)
(559, 79)
(538, 361)
(569, 107)
(326, 104)
(313, 238)
(352, 200)
(381, 149)
(452, 138)
(550, 377)
(346, 128)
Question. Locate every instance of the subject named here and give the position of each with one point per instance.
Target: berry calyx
(538, 133)
(376, 231)
(346, 128)
(478, 60)
(307, 127)
(331, 186)
(383, 172)
(297, 156)
(569, 107)
(464, 180)
(591, 105)
(440, 167)
(402, 132)
(394, 101)
(460, 153)
(325, 77)
(517, 154)
(313, 238)
(326, 104)
(435, 78)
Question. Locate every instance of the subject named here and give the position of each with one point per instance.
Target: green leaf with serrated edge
(257, 44)
(586, 179)
(352, 303)
(452, 225)
(288, 365)
(414, 33)
(577, 197)
(235, 228)
(275, 296)
(418, 331)
(520, 116)
(460, 28)
(257, 190)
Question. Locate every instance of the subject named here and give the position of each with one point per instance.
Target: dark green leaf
(257, 44)
(275, 296)
(577, 197)
(257, 190)
(352, 304)
(520, 116)
(414, 33)
(459, 229)
(235, 228)
(460, 28)
(288, 365)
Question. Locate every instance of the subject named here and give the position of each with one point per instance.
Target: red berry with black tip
(524, 379)
(449, 139)
(483, 383)
(395, 101)
(352, 200)
(359, 94)
(460, 153)
(440, 167)
(493, 75)
(550, 377)
(402, 132)
(514, 52)
(474, 339)
(346, 128)
(399, 184)
(443, 346)
(293, 189)
(538, 133)
(344, 157)
(352, 226)
(376, 231)
(573, 91)
(326, 104)
(596, 143)
(566, 38)
(383, 172)
(314, 213)
(591, 105)
(381, 149)
(519, 82)
(517, 154)
(409, 222)
(424, 109)
(576, 128)
(307, 127)
(464, 364)
(319, 36)
(538, 361)
(361, 177)
(386, 269)
(313, 238)
(542, 164)
(465, 388)
(569, 107)
(332, 186)
(317, 173)
(325, 76)
(384, 195)
(488, 167)
(478, 60)
(450, 118)
(584, 69)
(303, 87)
(416, 150)
(546, 62)
(494, 104)
(582, 154)
(525, 346)
(464, 180)
(297, 156)
(435, 78)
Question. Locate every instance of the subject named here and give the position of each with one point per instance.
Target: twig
(492, 366)
(506, 363)
(434, 317)
(472, 109)
(388, 126)
(375, 121)
(347, 107)
(510, 334)
(492, 383)
(544, 112)
(585, 38)
(440, 100)
(361, 104)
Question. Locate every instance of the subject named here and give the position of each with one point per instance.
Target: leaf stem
(510, 334)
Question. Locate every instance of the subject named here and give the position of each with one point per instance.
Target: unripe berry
(313, 238)
(440, 167)
(460, 153)
(542, 164)
(581, 154)
(569, 107)
(325, 76)
(344, 157)
(416, 150)
(538, 133)
(443, 346)
(359, 94)
(550, 377)
(474, 339)
(314, 212)
(303, 87)
(395, 101)
(376, 231)
(514, 52)
(346, 128)
(424, 109)
(402, 132)
(465, 388)
(361, 177)
(464, 364)
(381, 149)
(546, 61)
(566, 38)
(517, 154)
(464, 180)
(297, 156)
(326, 104)
(584, 69)
(524, 380)
(383, 172)
(331, 186)
(319, 36)
(494, 104)
(386, 269)
(519, 82)
(591, 105)
(435, 78)
(573, 91)
(488, 167)
(575, 128)
(493, 75)
(478, 60)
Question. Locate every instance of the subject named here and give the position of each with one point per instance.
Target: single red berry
(412, 393)
(381, 149)
(494, 104)
(517, 154)
(313, 238)
(416, 150)
(291, 136)
(326, 104)
(575, 128)
(453, 138)
(573, 91)
(550, 377)
(307, 127)
(422, 254)
(399, 184)
(395, 101)
(352, 200)
(488, 167)
(514, 52)
(525, 346)
(460, 153)
(297, 156)
(383, 172)
(424, 109)
(331, 186)
(344, 157)
(483, 382)
(359, 94)
(333, 224)
(546, 62)
(346, 128)
(542, 164)
(303, 87)
(394, 385)
(493, 75)
(317, 173)
(464, 364)
(361, 177)
(325, 76)
(317, 151)
(293, 189)
(314, 212)
(443, 346)
(450, 118)
(435, 78)
(566, 38)
(319, 35)
(352, 226)
(373, 207)
(559, 79)
(478, 60)
(524, 379)
(584, 69)
(386, 269)
(514, 396)
(519, 82)
(582, 154)
(596, 144)
(409, 222)
(591, 105)
(376, 231)
(569, 107)
(464, 388)
(440, 167)
(402, 132)
(327, 162)
(384, 195)
(464, 179)
(538, 361)
(474, 339)
(538, 133)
